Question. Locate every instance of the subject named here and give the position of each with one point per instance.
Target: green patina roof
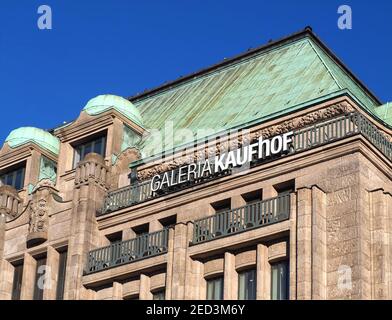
(24, 135)
(384, 112)
(268, 81)
(105, 102)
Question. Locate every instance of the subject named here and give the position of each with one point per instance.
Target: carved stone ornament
(221, 147)
(39, 217)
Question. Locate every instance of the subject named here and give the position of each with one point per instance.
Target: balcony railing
(248, 217)
(304, 139)
(127, 196)
(124, 252)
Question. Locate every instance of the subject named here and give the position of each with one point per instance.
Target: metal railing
(304, 139)
(339, 128)
(123, 252)
(127, 196)
(248, 217)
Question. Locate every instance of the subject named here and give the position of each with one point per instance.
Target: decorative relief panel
(39, 215)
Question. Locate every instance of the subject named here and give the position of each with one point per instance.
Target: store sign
(235, 158)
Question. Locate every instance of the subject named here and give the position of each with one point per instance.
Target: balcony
(241, 219)
(119, 253)
(127, 196)
(313, 136)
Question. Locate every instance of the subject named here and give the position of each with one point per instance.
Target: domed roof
(105, 102)
(38, 136)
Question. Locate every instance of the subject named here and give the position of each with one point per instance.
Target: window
(215, 289)
(115, 237)
(247, 285)
(39, 279)
(280, 281)
(159, 295)
(17, 282)
(253, 197)
(222, 206)
(61, 275)
(140, 230)
(168, 222)
(98, 145)
(285, 187)
(13, 178)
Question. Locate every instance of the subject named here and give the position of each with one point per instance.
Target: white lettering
(155, 183)
(219, 163)
(276, 145)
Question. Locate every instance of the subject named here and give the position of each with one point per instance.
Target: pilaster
(263, 276)
(90, 188)
(230, 285)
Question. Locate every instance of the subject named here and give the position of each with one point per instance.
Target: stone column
(2, 234)
(304, 244)
(128, 234)
(145, 292)
(263, 277)
(117, 291)
(380, 244)
(193, 271)
(169, 265)
(179, 261)
(319, 244)
(269, 192)
(230, 282)
(6, 280)
(237, 202)
(194, 281)
(154, 225)
(293, 247)
(52, 273)
(90, 188)
(28, 278)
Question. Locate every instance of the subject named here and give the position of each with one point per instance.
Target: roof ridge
(325, 65)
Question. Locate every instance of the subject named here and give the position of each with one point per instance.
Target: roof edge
(306, 32)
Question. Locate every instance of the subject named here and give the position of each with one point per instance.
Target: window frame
(17, 280)
(286, 265)
(159, 293)
(38, 292)
(214, 280)
(80, 148)
(63, 256)
(13, 171)
(246, 281)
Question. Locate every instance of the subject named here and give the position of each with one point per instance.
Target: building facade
(267, 176)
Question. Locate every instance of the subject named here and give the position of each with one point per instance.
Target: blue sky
(124, 47)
